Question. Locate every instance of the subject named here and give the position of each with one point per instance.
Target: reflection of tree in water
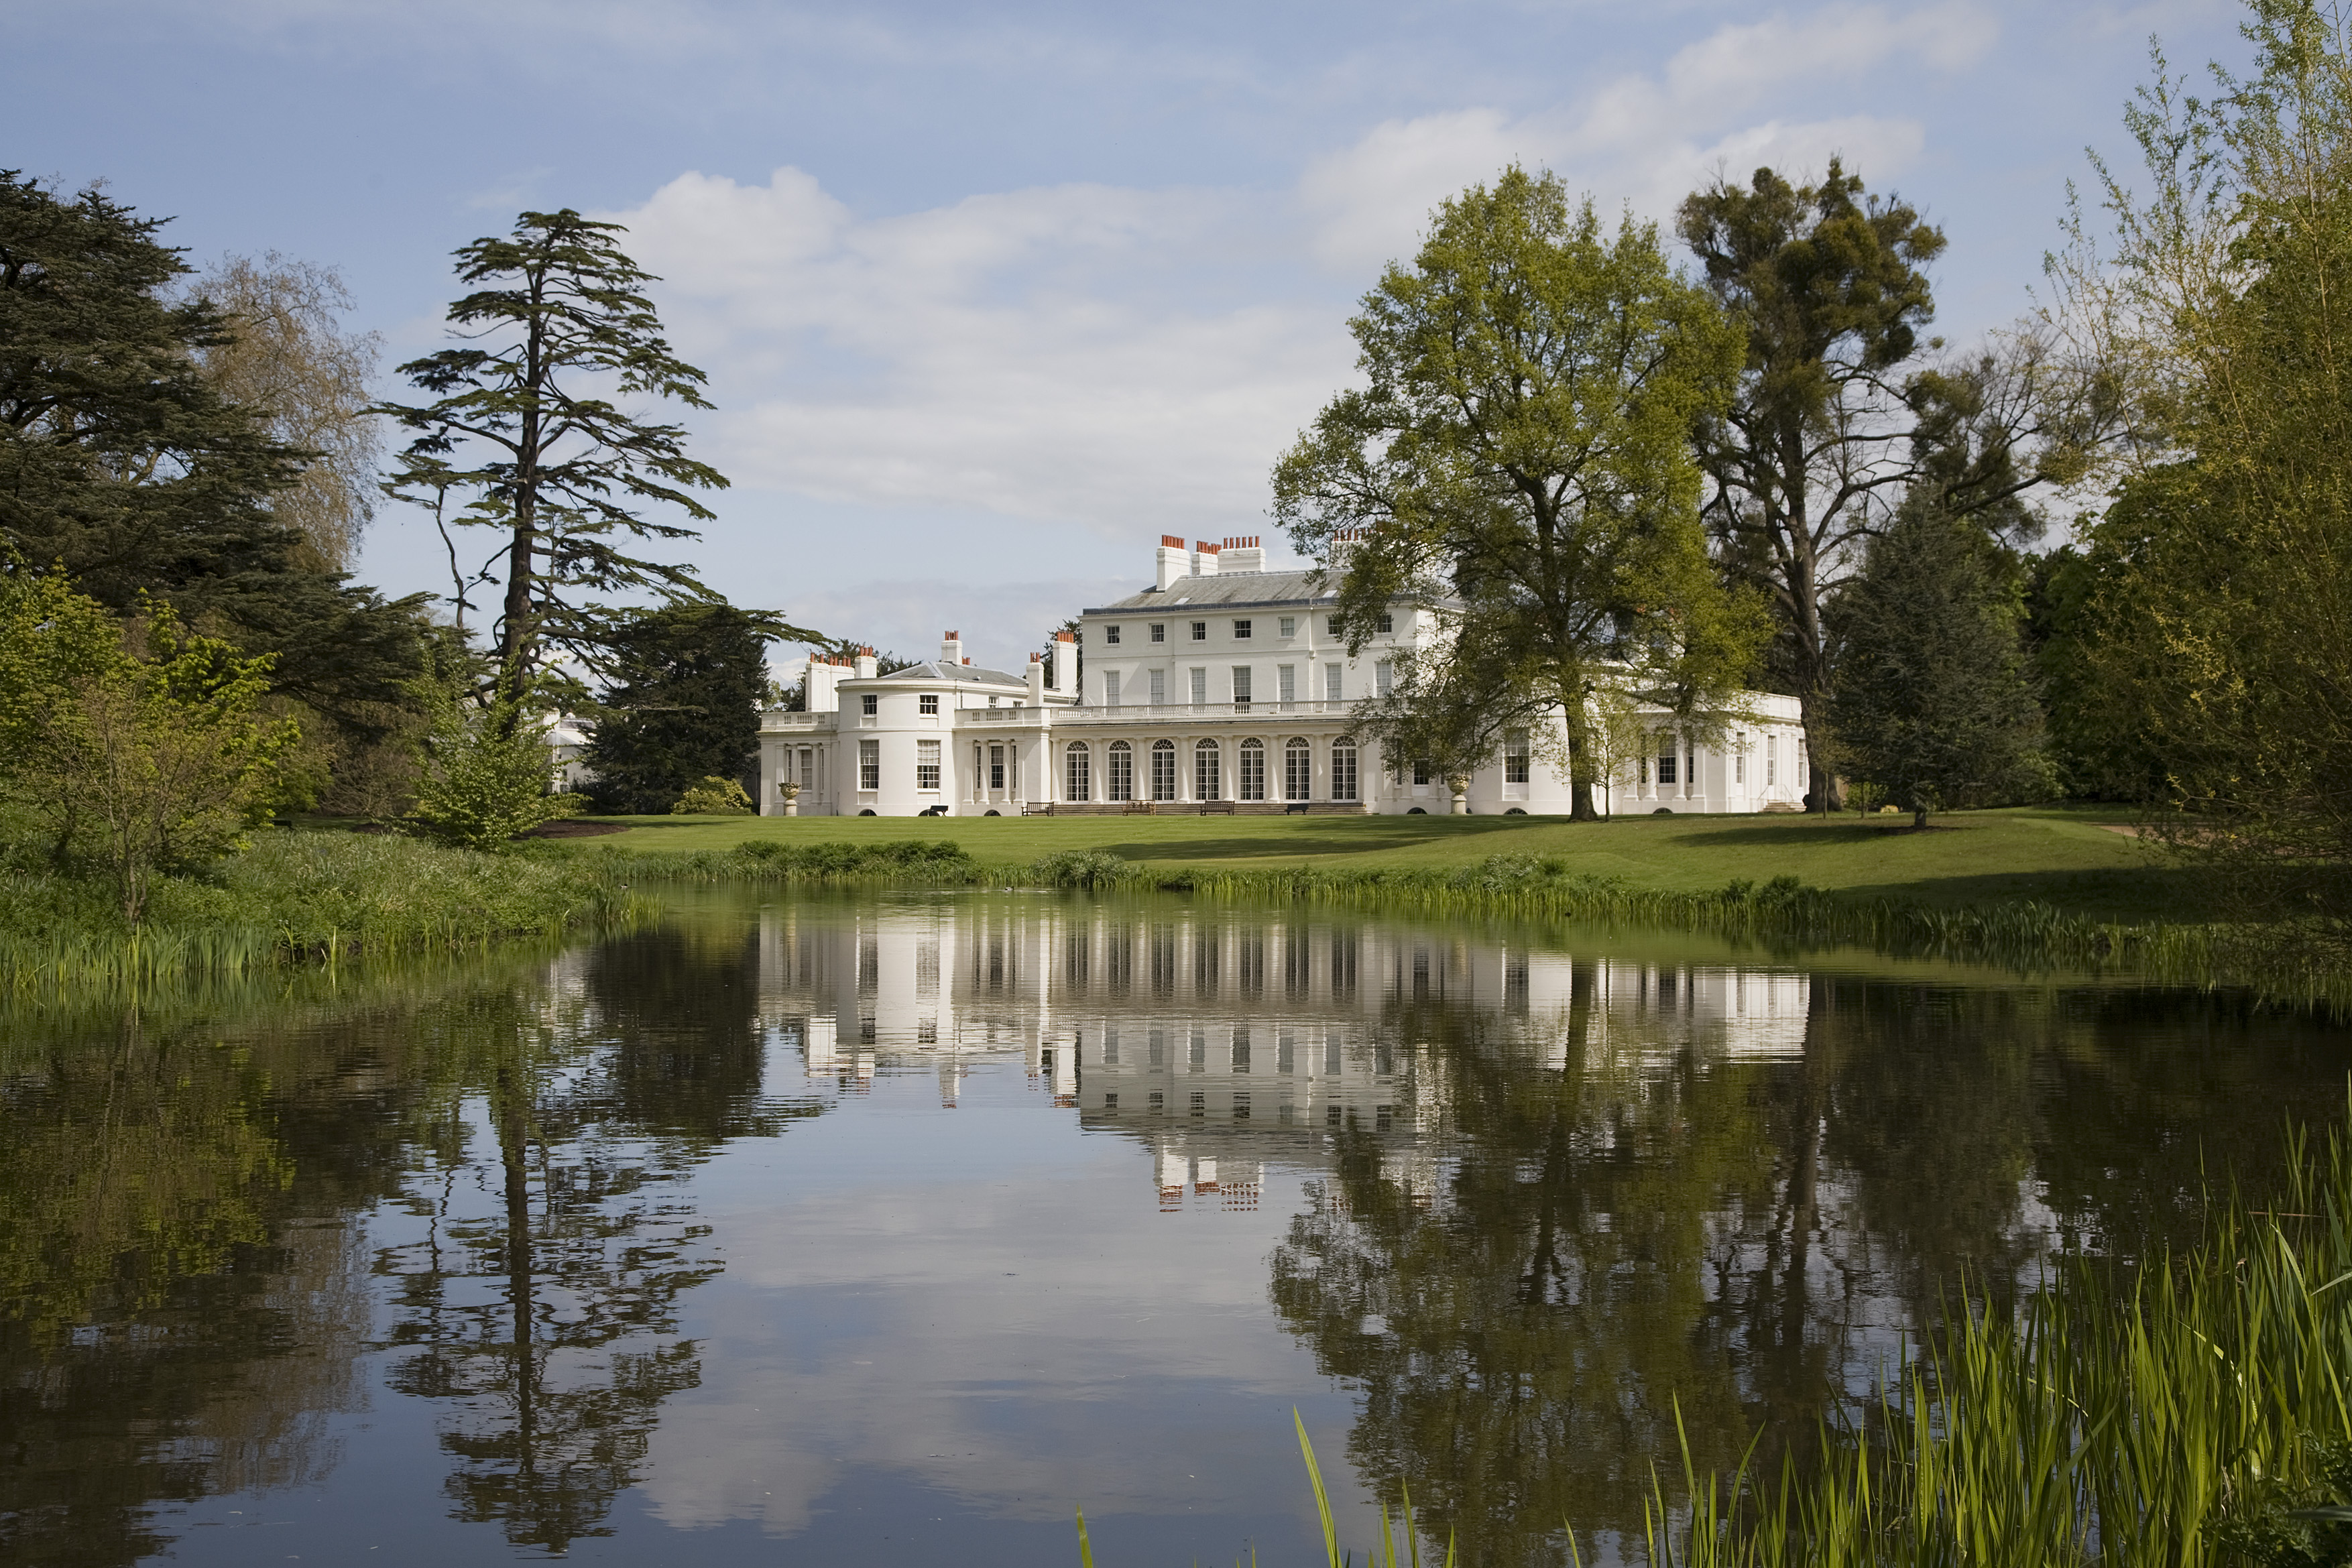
(1745, 1238)
(547, 1309)
(174, 1321)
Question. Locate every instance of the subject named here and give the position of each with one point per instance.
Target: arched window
(1297, 768)
(1208, 782)
(1119, 782)
(1163, 771)
(1253, 773)
(1077, 767)
(1343, 768)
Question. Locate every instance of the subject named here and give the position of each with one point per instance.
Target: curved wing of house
(1223, 687)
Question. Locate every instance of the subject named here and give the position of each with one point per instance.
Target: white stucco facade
(1222, 686)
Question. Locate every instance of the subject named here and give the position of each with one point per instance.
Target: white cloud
(1044, 354)
(1645, 140)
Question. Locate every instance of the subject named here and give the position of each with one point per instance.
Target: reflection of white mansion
(1225, 1038)
(1222, 683)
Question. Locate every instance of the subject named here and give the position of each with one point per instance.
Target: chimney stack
(1242, 554)
(1172, 563)
(951, 648)
(824, 675)
(868, 666)
(1205, 559)
(1036, 682)
(1064, 674)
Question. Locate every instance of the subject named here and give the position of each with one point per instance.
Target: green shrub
(714, 796)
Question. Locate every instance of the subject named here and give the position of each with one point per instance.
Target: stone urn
(789, 794)
(1461, 787)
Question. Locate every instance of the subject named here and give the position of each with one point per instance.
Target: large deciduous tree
(2213, 631)
(1933, 703)
(1827, 284)
(1519, 461)
(286, 355)
(688, 683)
(527, 433)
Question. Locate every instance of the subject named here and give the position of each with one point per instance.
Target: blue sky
(992, 297)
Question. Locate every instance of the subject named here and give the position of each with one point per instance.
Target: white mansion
(1222, 687)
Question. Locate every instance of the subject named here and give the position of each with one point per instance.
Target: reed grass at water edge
(296, 897)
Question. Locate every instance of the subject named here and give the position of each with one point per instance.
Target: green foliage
(122, 459)
(135, 755)
(714, 796)
(1933, 702)
(1521, 463)
(560, 474)
(688, 683)
(2210, 636)
(486, 772)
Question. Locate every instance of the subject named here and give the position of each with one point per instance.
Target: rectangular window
(1286, 682)
(1667, 760)
(1158, 688)
(1289, 624)
(1343, 771)
(1515, 757)
(1332, 624)
(1110, 635)
(1421, 771)
(1241, 684)
(1386, 623)
(1200, 631)
(1111, 1048)
(927, 765)
(1241, 629)
(1076, 781)
(1771, 761)
(1740, 759)
(869, 765)
(1199, 687)
(1110, 688)
(1159, 630)
(1383, 678)
(1331, 682)
(927, 703)
(996, 767)
(869, 704)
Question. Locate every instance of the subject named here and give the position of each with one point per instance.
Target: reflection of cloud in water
(959, 1332)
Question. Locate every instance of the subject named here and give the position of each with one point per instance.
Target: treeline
(1635, 486)
(187, 465)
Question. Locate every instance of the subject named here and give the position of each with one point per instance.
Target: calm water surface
(807, 1229)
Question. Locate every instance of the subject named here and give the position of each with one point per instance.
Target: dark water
(894, 1230)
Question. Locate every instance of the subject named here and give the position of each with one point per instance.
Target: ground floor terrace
(1242, 758)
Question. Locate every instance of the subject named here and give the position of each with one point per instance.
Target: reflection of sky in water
(897, 1229)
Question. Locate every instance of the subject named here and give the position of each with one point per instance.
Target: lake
(896, 1227)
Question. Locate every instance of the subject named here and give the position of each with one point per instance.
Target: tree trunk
(1918, 816)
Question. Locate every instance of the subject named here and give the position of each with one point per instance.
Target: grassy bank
(293, 895)
(2067, 859)
(2094, 901)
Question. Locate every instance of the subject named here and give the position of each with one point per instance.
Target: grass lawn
(2063, 856)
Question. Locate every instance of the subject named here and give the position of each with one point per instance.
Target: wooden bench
(1137, 809)
(1037, 807)
(1295, 808)
(1220, 808)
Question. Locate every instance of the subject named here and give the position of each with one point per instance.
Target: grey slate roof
(1236, 588)
(938, 670)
